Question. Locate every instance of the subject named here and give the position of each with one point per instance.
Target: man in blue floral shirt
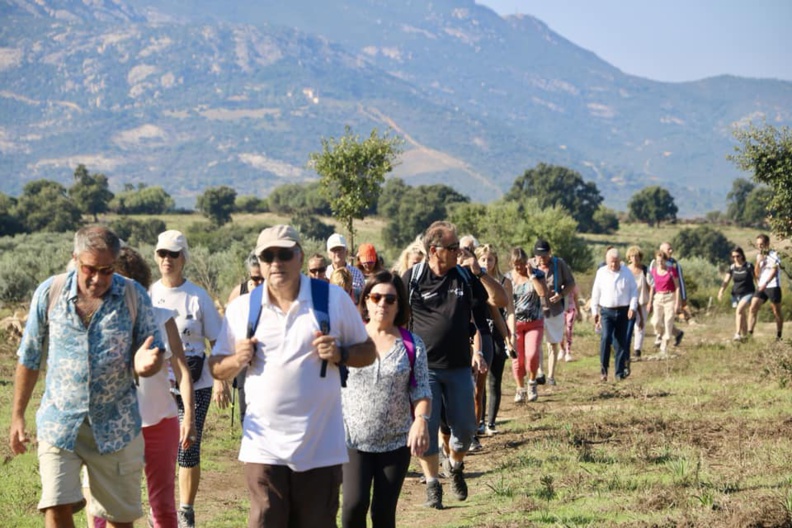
(98, 333)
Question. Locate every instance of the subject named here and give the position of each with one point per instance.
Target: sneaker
(475, 445)
(636, 355)
(458, 484)
(604, 378)
(532, 394)
(186, 518)
(519, 396)
(540, 379)
(482, 429)
(434, 495)
(560, 355)
(490, 430)
(658, 342)
(568, 358)
(678, 338)
(737, 337)
(551, 382)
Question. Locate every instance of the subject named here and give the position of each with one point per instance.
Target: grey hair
(612, 252)
(251, 261)
(435, 232)
(96, 238)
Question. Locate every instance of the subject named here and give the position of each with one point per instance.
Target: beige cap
(282, 236)
(173, 240)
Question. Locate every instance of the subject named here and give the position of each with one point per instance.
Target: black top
(243, 288)
(743, 277)
(441, 311)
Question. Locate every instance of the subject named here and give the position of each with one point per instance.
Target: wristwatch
(424, 416)
(481, 272)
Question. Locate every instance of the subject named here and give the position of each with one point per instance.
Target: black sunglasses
(390, 298)
(257, 280)
(316, 271)
(162, 253)
(282, 254)
(450, 247)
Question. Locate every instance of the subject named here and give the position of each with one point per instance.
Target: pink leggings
(529, 344)
(569, 324)
(162, 446)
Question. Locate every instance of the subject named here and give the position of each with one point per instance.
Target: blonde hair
(633, 251)
(488, 249)
(342, 277)
(415, 248)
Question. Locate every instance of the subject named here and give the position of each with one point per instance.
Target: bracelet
(480, 353)
(425, 417)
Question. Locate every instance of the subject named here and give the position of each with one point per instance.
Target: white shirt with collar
(294, 416)
(613, 288)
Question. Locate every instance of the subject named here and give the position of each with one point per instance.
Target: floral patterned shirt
(377, 399)
(89, 370)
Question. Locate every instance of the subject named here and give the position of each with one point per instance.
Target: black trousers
(386, 471)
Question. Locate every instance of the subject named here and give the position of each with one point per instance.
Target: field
(702, 439)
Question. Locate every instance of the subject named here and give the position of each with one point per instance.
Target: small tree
(705, 242)
(766, 152)
(45, 206)
(217, 204)
(352, 172)
(737, 200)
(91, 193)
(652, 205)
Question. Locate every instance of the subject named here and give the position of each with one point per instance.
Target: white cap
(173, 240)
(336, 240)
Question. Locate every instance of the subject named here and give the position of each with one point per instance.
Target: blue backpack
(320, 295)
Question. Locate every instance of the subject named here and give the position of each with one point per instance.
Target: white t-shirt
(766, 266)
(197, 320)
(154, 397)
(293, 415)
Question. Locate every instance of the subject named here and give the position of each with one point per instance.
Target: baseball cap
(542, 248)
(367, 253)
(336, 240)
(282, 236)
(173, 240)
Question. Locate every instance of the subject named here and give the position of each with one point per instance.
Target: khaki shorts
(114, 477)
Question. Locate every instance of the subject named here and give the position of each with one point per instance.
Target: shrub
(702, 279)
(704, 242)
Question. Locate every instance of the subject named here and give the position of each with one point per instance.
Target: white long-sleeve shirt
(613, 289)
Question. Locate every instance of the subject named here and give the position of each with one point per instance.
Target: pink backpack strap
(409, 344)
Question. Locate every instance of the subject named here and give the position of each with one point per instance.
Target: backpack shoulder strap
(56, 288)
(413, 288)
(320, 296)
(555, 274)
(130, 297)
(255, 310)
(409, 344)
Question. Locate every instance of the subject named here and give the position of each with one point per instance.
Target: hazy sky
(673, 40)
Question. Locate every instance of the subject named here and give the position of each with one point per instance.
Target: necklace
(86, 308)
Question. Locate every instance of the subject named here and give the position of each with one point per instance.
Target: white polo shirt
(293, 415)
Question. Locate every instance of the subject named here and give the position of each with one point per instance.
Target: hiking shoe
(560, 355)
(519, 396)
(540, 379)
(604, 378)
(482, 429)
(458, 484)
(637, 355)
(568, 358)
(737, 337)
(532, 394)
(490, 430)
(186, 518)
(434, 495)
(551, 382)
(678, 338)
(475, 445)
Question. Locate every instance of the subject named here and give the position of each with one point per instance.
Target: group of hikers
(344, 373)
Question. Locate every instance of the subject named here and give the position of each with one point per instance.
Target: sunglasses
(282, 254)
(257, 280)
(317, 271)
(390, 298)
(450, 247)
(104, 271)
(162, 253)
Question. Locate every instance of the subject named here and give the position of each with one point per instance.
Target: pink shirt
(664, 283)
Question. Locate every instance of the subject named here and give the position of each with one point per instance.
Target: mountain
(193, 93)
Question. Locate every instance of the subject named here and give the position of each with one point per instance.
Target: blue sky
(673, 40)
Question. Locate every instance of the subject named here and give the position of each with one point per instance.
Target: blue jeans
(614, 332)
(452, 389)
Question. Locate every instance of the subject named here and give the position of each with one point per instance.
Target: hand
(596, 320)
(479, 364)
(469, 261)
(187, 434)
(418, 438)
(556, 297)
(148, 361)
(244, 350)
(630, 313)
(18, 438)
(720, 294)
(221, 393)
(326, 347)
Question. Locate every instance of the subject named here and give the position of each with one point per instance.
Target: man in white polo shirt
(614, 299)
(337, 252)
(293, 435)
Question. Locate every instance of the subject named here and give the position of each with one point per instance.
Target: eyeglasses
(450, 247)
(736, 256)
(282, 254)
(257, 280)
(104, 271)
(317, 271)
(162, 253)
(390, 298)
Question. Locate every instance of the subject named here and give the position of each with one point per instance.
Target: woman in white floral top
(381, 431)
